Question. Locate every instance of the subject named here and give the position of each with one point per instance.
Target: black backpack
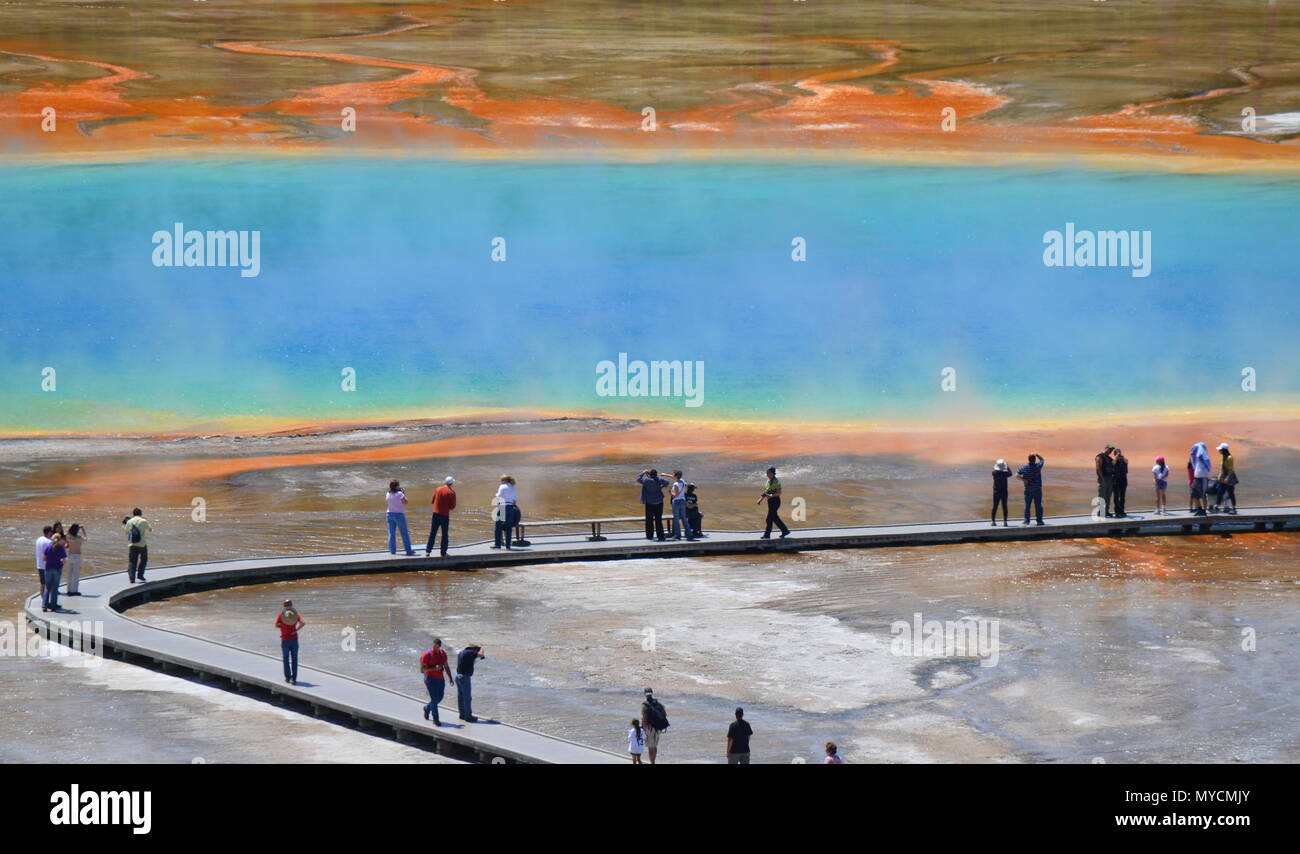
(657, 717)
(133, 533)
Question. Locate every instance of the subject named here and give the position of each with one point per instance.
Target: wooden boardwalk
(342, 698)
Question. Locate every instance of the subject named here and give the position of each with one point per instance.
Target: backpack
(133, 533)
(657, 717)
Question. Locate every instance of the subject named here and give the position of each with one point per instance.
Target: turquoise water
(385, 267)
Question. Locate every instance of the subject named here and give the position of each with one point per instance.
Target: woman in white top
(506, 512)
(635, 741)
(76, 536)
(1160, 472)
(397, 518)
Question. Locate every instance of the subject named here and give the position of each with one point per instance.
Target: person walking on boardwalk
(76, 537)
(137, 535)
(1160, 472)
(289, 621)
(738, 735)
(1119, 484)
(1227, 481)
(652, 496)
(396, 499)
(772, 492)
(437, 673)
(1001, 477)
(505, 512)
(444, 501)
(42, 543)
(1032, 475)
(681, 524)
(55, 553)
(635, 741)
(654, 720)
(1199, 459)
(464, 680)
(1105, 468)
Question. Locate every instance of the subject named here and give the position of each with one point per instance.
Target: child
(1160, 472)
(635, 741)
(693, 514)
(832, 754)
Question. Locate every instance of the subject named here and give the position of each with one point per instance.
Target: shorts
(1162, 484)
(1199, 486)
(651, 738)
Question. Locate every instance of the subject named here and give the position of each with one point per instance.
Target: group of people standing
(1112, 470)
(54, 549)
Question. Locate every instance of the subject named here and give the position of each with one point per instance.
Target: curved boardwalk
(342, 698)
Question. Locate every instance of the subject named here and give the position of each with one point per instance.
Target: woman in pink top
(397, 518)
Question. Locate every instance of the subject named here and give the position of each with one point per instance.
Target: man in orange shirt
(444, 501)
(433, 664)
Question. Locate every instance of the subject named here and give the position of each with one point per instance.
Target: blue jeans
(397, 521)
(443, 522)
(1036, 498)
(504, 527)
(50, 592)
(463, 695)
(680, 522)
(436, 687)
(289, 652)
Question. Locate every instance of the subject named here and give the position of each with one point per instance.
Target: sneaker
(496, 547)
(786, 534)
(426, 713)
(766, 537)
(427, 553)
(469, 718)
(1041, 522)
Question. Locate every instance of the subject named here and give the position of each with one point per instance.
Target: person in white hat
(444, 501)
(1001, 475)
(1227, 482)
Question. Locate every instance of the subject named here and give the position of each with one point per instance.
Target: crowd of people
(1112, 469)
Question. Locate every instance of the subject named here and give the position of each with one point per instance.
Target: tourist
(1227, 481)
(1119, 484)
(1001, 476)
(1032, 475)
(693, 514)
(444, 501)
(289, 621)
(55, 552)
(680, 522)
(635, 741)
(433, 664)
(76, 536)
(1191, 487)
(42, 543)
(137, 535)
(654, 720)
(397, 518)
(772, 492)
(505, 512)
(1160, 472)
(652, 496)
(1199, 458)
(1105, 469)
(738, 740)
(832, 754)
(464, 678)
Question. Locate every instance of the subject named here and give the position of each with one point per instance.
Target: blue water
(384, 266)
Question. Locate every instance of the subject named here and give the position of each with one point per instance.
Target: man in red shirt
(433, 664)
(289, 621)
(444, 501)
